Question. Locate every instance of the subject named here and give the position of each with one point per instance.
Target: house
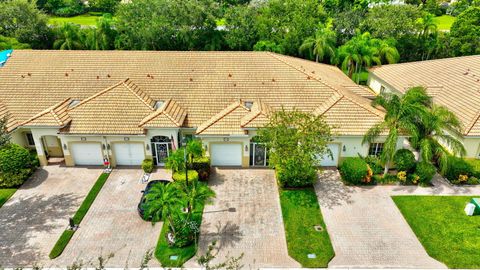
(452, 82)
(125, 106)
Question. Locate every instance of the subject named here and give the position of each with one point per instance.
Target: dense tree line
(354, 34)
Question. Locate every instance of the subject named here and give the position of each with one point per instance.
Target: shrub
(354, 170)
(473, 181)
(295, 173)
(425, 172)
(414, 178)
(180, 176)
(147, 165)
(404, 160)
(375, 164)
(387, 179)
(185, 232)
(402, 176)
(456, 167)
(16, 165)
(202, 166)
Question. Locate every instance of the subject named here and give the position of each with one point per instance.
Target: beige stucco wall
(472, 145)
(376, 84)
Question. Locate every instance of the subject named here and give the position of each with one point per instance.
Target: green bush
(16, 165)
(295, 173)
(202, 166)
(473, 181)
(65, 8)
(456, 167)
(354, 170)
(185, 233)
(404, 160)
(425, 171)
(375, 164)
(180, 176)
(147, 165)
(61, 244)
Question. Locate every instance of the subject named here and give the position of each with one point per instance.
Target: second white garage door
(129, 153)
(87, 153)
(327, 160)
(227, 154)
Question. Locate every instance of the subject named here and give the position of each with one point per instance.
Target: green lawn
(442, 227)
(5, 194)
(163, 251)
(301, 212)
(444, 22)
(88, 19)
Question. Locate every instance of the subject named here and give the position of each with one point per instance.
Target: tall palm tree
(321, 45)
(69, 37)
(439, 136)
(401, 117)
(163, 201)
(196, 193)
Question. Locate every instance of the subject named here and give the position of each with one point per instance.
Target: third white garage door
(331, 161)
(227, 154)
(129, 153)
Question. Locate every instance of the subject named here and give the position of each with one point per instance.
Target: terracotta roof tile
(170, 114)
(56, 116)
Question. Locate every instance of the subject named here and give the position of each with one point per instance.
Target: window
(30, 140)
(375, 149)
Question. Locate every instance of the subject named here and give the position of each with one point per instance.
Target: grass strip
(5, 194)
(78, 217)
(445, 231)
(301, 213)
(163, 251)
(61, 244)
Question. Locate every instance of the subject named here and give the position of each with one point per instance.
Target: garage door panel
(129, 153)
(226, 154)
(87, 153)
(330, 161)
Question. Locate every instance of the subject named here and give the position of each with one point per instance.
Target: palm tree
(321, 45)
(69, 37)
(401, 117)
(196, 193)
(163, 201)
(176, 160)
(440, 136)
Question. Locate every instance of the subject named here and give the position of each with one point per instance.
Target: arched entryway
(161, 148)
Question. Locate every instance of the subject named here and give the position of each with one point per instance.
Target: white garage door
(327, 160)
(129, 153)
(226, 154)
(87, 153)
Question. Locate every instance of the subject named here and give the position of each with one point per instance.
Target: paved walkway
(33, 219)
(113, 226)
(367, 229)
(245, 218)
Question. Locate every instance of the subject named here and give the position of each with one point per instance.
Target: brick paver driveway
(366, 228)
(113, 226)
(33, 219)
(245, 218)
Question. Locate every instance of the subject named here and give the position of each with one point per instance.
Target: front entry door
(162, 152)
(259, 154)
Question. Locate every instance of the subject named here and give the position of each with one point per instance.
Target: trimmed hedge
(404, 160)
(180, 176)
(425, 171)
(147, 165)
(16, 165)
(60, 245)
(354, 170)
(202, 166)
(295, 173)
(82, 211)
(456, 168)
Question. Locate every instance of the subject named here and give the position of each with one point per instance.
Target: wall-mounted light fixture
(206, 147)
(64, 147)
(103, 146)
(226, 139)
(246, 148)
(126, 139)
(147, 147)
(108, 146)
(344, 148)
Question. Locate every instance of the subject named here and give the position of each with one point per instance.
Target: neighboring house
(452, 82)
(129, 105)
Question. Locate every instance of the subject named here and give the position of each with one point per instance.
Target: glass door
(259, 155)
(161, 152)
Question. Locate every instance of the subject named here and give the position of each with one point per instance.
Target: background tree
(402, 115)
(12, 43)
(240, 27)
(69, 37)
(465, 32)
(103, 36)
(321, 45)
(22, 20)
(346, 23)
(108, 6)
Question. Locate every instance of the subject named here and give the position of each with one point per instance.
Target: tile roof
(4, 113)
(56, 116)
(258, 115)
(452, 82)
(196, 87)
